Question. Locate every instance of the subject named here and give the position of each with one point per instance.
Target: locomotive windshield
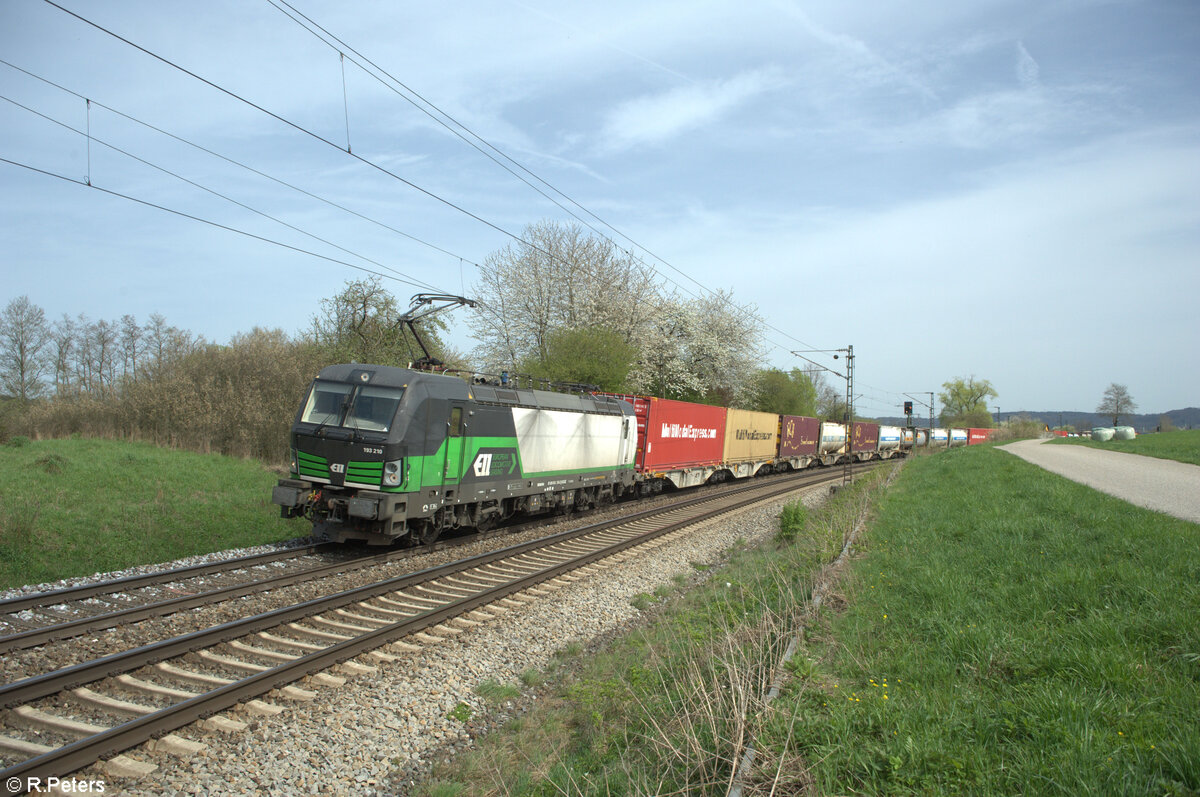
(362, 407)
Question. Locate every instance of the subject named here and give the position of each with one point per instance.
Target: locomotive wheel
(429, 533)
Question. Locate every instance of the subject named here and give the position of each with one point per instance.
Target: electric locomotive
(383, 454)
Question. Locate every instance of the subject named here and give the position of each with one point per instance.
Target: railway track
(27, 621)
(61, 721)
(30, 620)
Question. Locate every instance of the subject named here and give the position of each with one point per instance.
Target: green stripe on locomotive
(366, 474)
(500, 463)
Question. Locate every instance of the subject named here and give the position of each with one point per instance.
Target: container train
(386, 454)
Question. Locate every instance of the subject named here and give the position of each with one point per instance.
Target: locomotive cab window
(456, 424)
(374, 408)
(326, 403)
(366, 408)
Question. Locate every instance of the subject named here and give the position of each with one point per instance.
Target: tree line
(563, 306)
(159, 383)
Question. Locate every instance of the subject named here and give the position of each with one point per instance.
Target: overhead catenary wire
(424, 105)
(382, 169)
(239, 164)
(299, 128)
(400, 276)
(200, 219)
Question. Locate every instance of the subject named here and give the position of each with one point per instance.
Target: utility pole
(847, 472)
(848, 413)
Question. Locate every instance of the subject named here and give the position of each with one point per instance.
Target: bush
(792, 521)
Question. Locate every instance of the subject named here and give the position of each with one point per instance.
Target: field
(1180, 445)
(1003, 631)
(78, 506)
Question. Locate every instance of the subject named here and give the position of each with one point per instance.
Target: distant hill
(1143, 422)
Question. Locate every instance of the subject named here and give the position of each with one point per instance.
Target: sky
(1008, 189)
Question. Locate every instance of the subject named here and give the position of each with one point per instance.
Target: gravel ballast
(376, 733)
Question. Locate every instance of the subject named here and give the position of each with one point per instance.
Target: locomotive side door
(454, 445)
(625, 445)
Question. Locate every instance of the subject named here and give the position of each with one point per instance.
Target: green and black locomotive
(383, 454)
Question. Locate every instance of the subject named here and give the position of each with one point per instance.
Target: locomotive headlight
(295, 464)
(393, 473)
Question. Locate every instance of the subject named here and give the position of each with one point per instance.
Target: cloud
(653, 119)
(1027, 68)
(869, 67)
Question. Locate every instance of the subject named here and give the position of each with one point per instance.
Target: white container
(889, 438)
(833, 438)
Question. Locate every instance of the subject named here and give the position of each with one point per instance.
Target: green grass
(78, 506)
(1002, 631)
(1009, 632)
(1180, 445)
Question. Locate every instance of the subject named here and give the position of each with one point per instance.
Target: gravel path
(376, 733)
(1159, 484)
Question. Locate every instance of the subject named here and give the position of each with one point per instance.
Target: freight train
(386, 454)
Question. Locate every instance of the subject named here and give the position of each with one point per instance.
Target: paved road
(1160, 484)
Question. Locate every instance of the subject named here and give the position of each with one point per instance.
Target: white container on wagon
(889, 440)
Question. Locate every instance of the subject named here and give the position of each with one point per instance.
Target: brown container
(865, 437)
(798, 436)
(751, 436)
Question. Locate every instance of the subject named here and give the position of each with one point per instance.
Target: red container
(977, 436)
(798, 436)
(865, 437)
(676, 434)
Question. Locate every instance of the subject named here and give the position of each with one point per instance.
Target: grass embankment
(79, 506)
(1005, 631)
(1181, 445)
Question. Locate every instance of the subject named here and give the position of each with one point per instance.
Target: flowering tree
(561, 290)
(557, 279)
(704, 349)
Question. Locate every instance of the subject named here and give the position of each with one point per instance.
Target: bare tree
(23, 338)
(831, 398)
(104, 351)
(362, 324)
(131, 347)
(1116, 402)
(62, 345)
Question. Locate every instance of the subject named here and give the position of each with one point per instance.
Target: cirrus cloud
(655, 118)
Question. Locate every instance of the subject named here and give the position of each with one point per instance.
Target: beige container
(751, 436)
